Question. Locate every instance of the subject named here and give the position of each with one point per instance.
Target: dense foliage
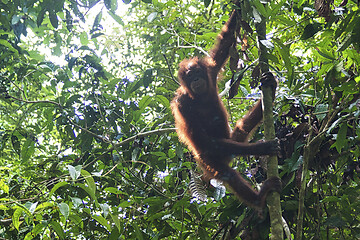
(87, 144)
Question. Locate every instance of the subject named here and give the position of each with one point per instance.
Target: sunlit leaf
(16, 218)
(89, 180)
(33, 207)
(116, 18)
(267, 43)
(34, 232)
(15, 19)
(64, 209)
(3, 186)
(8, 45)
(152, 16)
(74, 171)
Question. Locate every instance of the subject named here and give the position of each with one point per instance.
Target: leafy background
(87, 144)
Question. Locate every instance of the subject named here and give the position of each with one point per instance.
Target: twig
(171, 74)
(35, 102)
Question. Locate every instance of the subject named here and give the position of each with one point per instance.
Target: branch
(115, 145)
(140, 135)
(273, 199)
(35, 102)
(197, 48)
(310, 149)
(171, 73)
(144, 134)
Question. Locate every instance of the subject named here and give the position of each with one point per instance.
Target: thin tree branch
(273, 199)
(171, 73)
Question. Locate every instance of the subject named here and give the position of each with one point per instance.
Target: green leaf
(84, 40)
(163, 100)
(16, 218)
(116, 18)
(64, 209)
(284, 51)
(40, 17)
(16, 144)
(96, 35)
(102, 221)
(256, 15)
(134, 154)
(58, 229)
(335, 221)
(220, 192)
(33, 207)
(69, 20)
(138, 232)
(344, 25)
(159, 154)
(89, 180)
(34, 232)
(76, 220)
(341, 137)
(207, 3)
(310, 30)
(357, 79)
(144, 102)
(259, 9)
(57, 186)
(15, 19)
(27, 150)
(330, 199)
(43, 206)
(24, 209)
(113, 190)
(116, 220)
(105, 208)
(321, 111)
(132, 87)
(345, 43)
(9, 46)
(111, 5)
(148, 77)
(3, 186)
(97, 20)
(53, 19)
(152, 16)
(324, 54)
(74, 171)
(88, 191)
(107, 4)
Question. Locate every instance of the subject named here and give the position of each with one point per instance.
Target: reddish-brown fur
(202, 121)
